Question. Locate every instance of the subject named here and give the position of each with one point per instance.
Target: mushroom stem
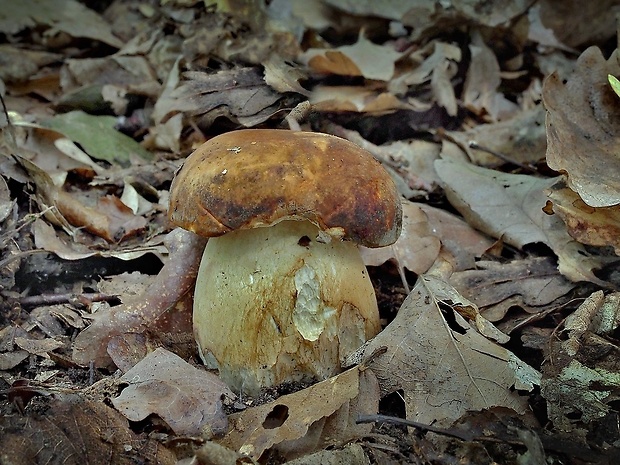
(273, 304)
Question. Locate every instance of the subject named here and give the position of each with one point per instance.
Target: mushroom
(282, 293)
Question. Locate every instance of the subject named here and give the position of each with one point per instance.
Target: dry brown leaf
(480, 93)
(509, 206)
(66, 247)
(364, 58)
(6, 203)
(239, 93)
(354, 98)
(187, 398)
(111, 219)
(59, 15)
(463, 242)
(588, 225)
(583, 128)
(300, 423)
(38, 346)
(436, 63)
(175, 279)
(416, 249)
(441, 363)
(521, 138)
(74, 431)
(595, 22)
(537, 280)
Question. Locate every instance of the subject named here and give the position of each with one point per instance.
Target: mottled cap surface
(258, 177)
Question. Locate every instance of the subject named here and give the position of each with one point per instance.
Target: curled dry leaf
(441, 363)
(239, 94)
(589, 225)
(187, 398)
(300, 423)
(480, 93)
(175, 279)
(583, 128)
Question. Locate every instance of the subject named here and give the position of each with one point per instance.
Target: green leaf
(97, 136)
(615, 84)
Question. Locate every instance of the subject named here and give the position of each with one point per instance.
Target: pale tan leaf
(307, 420)
(444, 366)
(187, 398)
(509, 206)
(583, 128)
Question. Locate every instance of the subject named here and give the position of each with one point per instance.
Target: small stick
(527, 167)
(54, 299)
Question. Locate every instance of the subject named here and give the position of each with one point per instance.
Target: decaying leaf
(308, 420)
(75, 431)
(462, 241)
(521, 139)
(441, 363)
(509, 206)
(190, 400)
(583, 128)
(481, 93)
(47, 238)
(582, 373)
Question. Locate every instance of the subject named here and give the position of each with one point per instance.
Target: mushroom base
(273, 304)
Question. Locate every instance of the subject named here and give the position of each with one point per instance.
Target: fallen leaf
(75, 431)
(521, 139)
(189, 399)
(444, 366)
(97, 136)
(6, 203)
(463, 242)
(60, 15)
(236, 93)
(354, 98)
(535, 279)
(308, 420)
(364, 58)
(589, 225)
(582, 374)
(351, 454)
(583, 128)
(47, 238)
(509, 206)
(480, 92)
(415, 249)
(111, 219)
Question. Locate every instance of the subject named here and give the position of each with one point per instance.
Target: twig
(472, 144)
(54, 299)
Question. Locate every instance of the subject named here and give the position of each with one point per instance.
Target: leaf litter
(509, 240)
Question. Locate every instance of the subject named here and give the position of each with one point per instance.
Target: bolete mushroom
(282, 293)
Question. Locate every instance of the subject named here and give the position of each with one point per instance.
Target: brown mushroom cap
(258, 177)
